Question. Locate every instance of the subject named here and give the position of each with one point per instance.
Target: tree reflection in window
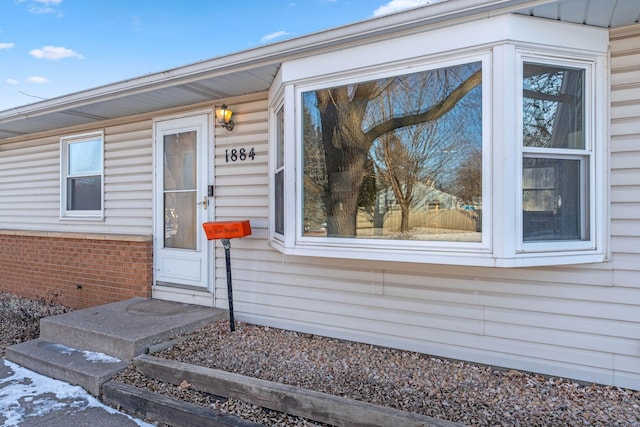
(395, 158)
(555, 178)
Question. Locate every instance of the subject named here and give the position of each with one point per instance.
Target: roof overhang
(254, 70)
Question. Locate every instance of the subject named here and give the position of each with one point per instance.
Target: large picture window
(82, 175)
(395, 158)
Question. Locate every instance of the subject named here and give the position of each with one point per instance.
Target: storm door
(181, 202)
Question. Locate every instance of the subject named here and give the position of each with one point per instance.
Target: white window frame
(279, 168)
(483, 246)
(521, 40)
(65, 142)
(587, 168)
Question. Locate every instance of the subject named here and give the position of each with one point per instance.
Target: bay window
(492, 158)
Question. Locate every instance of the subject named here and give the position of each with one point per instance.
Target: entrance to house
(182, 204)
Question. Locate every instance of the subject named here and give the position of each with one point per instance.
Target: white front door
(181, 258)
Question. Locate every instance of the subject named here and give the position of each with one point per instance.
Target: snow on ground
(20, 387)
(90, 356)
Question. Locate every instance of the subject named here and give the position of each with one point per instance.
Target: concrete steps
(89, 347)
(87, 369)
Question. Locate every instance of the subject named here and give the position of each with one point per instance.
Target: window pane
(553, 106)
(552, 200)
(395, 158)
(180, 220)
(85, 157)
(84, 193)
(279, 176)
(180, 161)
(280, 138)
(279, 206)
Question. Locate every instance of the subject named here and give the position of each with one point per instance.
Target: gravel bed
(20, 318)
(447, 389)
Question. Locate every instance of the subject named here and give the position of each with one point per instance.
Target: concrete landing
(89, 347)
(127, 328)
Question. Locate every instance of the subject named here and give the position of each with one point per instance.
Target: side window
(279, 173)
(556, 154)
(82, 176)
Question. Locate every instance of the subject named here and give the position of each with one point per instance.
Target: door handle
(204, 202)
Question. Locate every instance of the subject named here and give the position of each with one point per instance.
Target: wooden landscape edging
(157, 407)
(321, 407)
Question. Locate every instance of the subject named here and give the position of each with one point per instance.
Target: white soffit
(254, 70)
(599, 13)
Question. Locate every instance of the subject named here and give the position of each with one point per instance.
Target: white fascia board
(447, 40)
(274, 53)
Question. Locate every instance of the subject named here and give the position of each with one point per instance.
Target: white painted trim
(205, 162)
(186, 296)
(87, 215)
(448, 42)
(276, 97)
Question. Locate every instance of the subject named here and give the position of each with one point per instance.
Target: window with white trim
(82, 176)
(279, 172)
(492, 158)
(556, 153)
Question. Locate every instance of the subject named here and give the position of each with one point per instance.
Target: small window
(82, 176)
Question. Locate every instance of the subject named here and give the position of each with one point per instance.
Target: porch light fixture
(223, 117)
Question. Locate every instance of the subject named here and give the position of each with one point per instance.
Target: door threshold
(181, 286)
(182, 293)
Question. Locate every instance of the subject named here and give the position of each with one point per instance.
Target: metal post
(227, 254)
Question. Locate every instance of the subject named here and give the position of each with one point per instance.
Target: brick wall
(77, 270)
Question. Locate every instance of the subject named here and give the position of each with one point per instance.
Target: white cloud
(40, 7)
(37, 80)
(54, 52)
(36, 10)
(12, 82)
(398, 5)
(273, 36)
(6, 45)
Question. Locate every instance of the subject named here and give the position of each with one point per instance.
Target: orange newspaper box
(225, 230)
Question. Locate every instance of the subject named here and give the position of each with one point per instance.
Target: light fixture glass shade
(223, 114)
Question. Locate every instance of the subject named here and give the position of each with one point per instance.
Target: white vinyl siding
(128, 177)
(30, 193)
(29, 189)
(625, 157)
(241, 190)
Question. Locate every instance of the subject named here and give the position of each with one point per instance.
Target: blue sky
(50, 48)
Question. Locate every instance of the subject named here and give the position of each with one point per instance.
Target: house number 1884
(239, 154)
